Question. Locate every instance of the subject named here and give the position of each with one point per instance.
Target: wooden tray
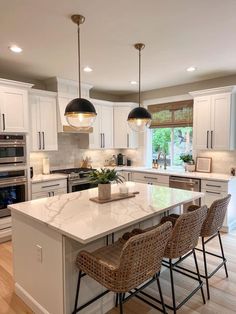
(114, 197)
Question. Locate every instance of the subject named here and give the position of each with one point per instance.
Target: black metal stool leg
(160, 293)
(223, 255)
(121, 302)
(198, 275)
(205, 267)
(77, 292)
(172, 286)
(117, 296)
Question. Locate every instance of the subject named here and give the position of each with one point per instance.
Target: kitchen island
(48, 234)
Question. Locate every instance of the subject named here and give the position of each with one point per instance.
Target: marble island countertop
(177, 171)
(75, 216)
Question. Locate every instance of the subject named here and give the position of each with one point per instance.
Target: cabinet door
(220, 121)
(35, 134)
(107, 126)
(95, 138)
(121, 137)
(48, 121)
(202, 122)
(14, 109)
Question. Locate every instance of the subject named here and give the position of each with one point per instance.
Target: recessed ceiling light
(88, 69)
(191, 69)
(15, 48)
(133, 82)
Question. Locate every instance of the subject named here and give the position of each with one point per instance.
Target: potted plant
(188, 162)
(103, 178)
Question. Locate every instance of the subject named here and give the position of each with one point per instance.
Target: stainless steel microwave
(12, 149)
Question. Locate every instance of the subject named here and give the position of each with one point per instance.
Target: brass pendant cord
(79, 74)
(139, 79)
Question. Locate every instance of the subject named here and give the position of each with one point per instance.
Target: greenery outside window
(172, 130)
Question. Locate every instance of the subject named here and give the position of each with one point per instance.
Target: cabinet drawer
(211, 196)
(49, 186)
(214, 186)
(150, 178)
(44, 194)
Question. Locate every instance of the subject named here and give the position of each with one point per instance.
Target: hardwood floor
(223, 291)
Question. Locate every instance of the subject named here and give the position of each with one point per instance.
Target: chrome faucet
(163, 154)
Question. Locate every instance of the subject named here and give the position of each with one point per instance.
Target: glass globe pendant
(80, 112)
(139, 119)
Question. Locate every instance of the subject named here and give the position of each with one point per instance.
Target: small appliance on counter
(121, 160)
(46, 166)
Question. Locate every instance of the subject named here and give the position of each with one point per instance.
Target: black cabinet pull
(40, 144)
(43, 140)
(50, 186)
(207, 139)
(3, 122)
(213, 192)
(211, 139)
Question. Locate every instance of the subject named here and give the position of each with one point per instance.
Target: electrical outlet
(39, 253)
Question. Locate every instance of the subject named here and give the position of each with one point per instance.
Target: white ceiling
(177, 34)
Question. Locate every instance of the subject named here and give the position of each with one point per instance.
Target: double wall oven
(13, 177)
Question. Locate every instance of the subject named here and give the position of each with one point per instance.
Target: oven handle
(13, 183)
(72, 183)
(12, 144)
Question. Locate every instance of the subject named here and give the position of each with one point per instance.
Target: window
(172, 130)
(173, 141)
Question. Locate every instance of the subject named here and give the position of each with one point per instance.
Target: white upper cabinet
(124, 137)
(43, 115)
(14, 106)
(214, 119)
(102, 136)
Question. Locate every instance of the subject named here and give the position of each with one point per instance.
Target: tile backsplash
(70, 154)
(222, 162)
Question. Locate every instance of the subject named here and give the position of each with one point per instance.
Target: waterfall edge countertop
(180, 172)
(48, 177)
(75, 216)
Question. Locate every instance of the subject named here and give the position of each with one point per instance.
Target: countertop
(75, 216)
(180, 172)
(48, 177)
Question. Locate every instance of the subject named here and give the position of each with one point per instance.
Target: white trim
(15, 83)
(157, 101)
(40, 92)
(218, 90)
(29, 300)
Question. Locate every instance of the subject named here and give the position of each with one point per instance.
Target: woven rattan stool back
(141, 257)
(186, 233)
(215, 216)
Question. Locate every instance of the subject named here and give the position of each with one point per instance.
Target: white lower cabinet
(215, 190)
(150, 178)
(49, 188)
(127, 175)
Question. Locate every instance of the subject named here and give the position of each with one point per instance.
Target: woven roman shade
(172, 114)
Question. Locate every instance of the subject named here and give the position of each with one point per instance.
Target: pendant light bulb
(80, 112)
(139, 119)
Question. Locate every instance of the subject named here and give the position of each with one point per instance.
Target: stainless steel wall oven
(12, 149)
(13, 189)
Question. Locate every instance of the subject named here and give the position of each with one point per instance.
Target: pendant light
(80, 113)
(139, 119)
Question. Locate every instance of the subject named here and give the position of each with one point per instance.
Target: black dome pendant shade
(80, 112)
(139, 119)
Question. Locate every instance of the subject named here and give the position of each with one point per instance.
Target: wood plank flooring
(223, 291)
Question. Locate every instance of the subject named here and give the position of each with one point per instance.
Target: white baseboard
(29, 300)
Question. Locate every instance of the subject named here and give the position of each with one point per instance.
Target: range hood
(66, 91)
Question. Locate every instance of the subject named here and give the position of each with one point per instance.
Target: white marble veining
(47, 177)
(79, 218)
(180, 172)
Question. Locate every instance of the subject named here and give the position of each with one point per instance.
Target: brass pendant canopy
(139, 119)
(80, 113)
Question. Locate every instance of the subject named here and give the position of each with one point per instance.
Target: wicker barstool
(123, 266)
(182, 244)
(211, 229)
